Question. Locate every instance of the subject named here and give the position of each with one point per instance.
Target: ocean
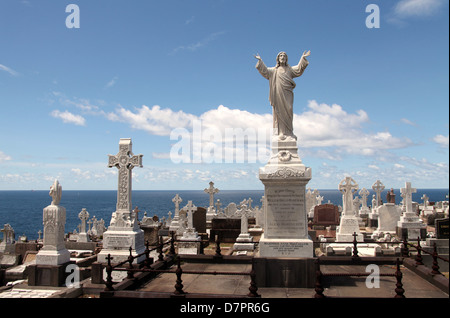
(23, 209)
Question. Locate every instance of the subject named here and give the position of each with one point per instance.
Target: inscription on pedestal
(285, 217)
(118, 242)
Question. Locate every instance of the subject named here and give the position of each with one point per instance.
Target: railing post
(355, 246)
(160, 247)
(399, 291)
(253, 288)
(319, 287)
(218, 251)
(202, 248)
(109, 283)
(147, 261)
(172, 243)
(130, 264)
(435, 267)
(179, 285)
(405, 249)
(419, 253)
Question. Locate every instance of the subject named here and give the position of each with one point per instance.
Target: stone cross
(125, 161)
(218, 205)
(83, 216)
(177, 200)
(425, 201)
(319, 199)
(249, 201)
(8, 234)
(39, 235)
(211, 191)
(407, 192)
(364, 193)
(136, 213)
(190, 210)
(356, 204)
(347, 186)
(89, 223)
(244, 222)
(378, 187)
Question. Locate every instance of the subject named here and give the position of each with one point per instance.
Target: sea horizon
(22, 209)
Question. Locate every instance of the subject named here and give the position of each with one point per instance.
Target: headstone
(211, 212)
(390, 196)
(83, 216)
(190, 234)
(389, 215)
(123, 231)
(441, 228)
(410, 225)
(378, 187)
(349, 223)
(7, 244)
(364, 210)
(326, 215)
(244, 242)
(54, 251)
(151, 227)
(175, 224)
(199, 220)
(228, 229)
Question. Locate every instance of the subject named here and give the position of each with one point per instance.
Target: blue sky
(372, 104)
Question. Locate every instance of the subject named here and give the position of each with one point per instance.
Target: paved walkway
(414, 286)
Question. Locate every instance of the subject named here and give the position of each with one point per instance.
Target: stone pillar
(285, 216)
(54, 251)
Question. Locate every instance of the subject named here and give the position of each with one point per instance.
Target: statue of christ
(281, 94)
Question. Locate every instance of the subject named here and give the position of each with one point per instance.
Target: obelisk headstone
(54, 251)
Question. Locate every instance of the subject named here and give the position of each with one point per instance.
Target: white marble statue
(281, 94)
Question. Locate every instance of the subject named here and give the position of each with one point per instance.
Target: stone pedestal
(54, 251)
(388, 216)
(410, 226)
(117, 242)
(285, 216)
(244, 242)
(349, 224)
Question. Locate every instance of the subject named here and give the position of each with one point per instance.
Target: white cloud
(408, 122)
(199, 44)
(442, 140)
(8, 70)
(112, 82)
(4, 157)
(68, 117)
(409, 8)
(327, 131)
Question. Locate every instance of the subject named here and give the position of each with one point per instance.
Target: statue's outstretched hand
(257, 56)
(306, 53)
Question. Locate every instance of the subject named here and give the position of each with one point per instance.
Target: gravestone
(188, 242)
(326, 215)
(151, 227)
(211, 212)
(175, 224)
(349, 223)
(54, 251)
(378, 187)
(7, 244)
(123, 231)
(228, 229)
(410, 225)
(244, 242)
(83, 236)
(199, 221)
(388, 217)
(441, 228)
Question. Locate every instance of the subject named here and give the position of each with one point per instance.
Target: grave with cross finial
(349, 223)
(123, 231)
(175, 224)
(410, 226)
(378, 187)
(83, 235)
